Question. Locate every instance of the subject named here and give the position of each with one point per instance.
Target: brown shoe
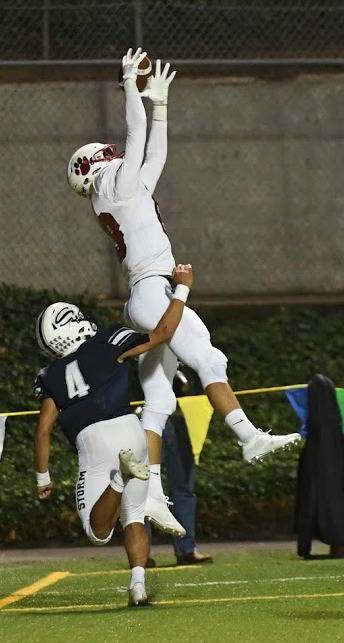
(337, 551)
(194, 558)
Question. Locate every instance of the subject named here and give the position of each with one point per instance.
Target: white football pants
(98, 448)
(190, 344)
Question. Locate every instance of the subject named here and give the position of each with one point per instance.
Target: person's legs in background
(181, 472)
(180, 467)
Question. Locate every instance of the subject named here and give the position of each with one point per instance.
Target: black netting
(208, 30)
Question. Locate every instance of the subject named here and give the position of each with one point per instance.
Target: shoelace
(241, 444)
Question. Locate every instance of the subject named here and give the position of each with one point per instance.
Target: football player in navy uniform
(85, 387)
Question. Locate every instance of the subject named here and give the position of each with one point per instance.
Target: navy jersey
(90, 385)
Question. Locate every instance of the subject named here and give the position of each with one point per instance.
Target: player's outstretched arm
(156, 154)
(128, 174)
(46, 420)
(183, 278)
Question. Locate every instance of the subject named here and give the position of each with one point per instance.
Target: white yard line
(286, 579)
(259, 580)
(171, 602)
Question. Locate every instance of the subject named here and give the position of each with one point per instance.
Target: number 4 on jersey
(75, 382)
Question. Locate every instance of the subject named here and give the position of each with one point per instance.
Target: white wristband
(160, 112)
(43, 479)
(131, 77)
(181, 292)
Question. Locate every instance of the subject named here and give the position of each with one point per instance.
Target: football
(145, 71)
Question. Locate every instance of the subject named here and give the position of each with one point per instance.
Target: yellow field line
(54, 577)
(252, 391)
(186, 601)
(172, 568)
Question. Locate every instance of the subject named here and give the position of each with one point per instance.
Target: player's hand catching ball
(158, 85)
(182, 274)
(130, 63)
(45, 492)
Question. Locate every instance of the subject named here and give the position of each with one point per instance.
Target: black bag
(319, 510)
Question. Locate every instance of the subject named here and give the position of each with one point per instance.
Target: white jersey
(123, 197)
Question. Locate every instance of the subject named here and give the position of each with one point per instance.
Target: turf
(244, 596)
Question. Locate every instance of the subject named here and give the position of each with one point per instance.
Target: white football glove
(158, 85)
(130, 63)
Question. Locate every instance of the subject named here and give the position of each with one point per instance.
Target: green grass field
(244, 596)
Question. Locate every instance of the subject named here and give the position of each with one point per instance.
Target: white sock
(155, 488)
(116, 482)
(137, 576)
(241, 425)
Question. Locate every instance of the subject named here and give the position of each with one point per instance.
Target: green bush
(267, 347)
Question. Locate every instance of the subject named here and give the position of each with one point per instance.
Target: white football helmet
(86, 162)
(61, 328)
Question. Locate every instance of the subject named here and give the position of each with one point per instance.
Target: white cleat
(158, 513)
(137, 595)
(131, 467)
(263, 443)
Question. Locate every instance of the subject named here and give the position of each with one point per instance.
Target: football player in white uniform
(121, 188)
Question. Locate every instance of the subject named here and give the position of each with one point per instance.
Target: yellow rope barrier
(253, 391)
(271, 389)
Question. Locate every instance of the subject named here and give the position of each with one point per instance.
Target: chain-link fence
(227, 30)
(252, 191)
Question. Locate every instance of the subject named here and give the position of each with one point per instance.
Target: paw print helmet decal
(86, 162)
